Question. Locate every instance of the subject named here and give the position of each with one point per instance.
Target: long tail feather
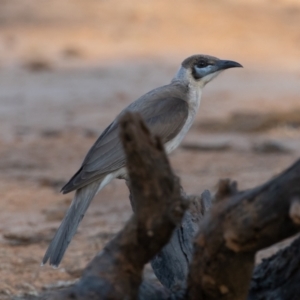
(68, 227)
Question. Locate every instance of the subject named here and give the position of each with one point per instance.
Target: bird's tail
(68, 227)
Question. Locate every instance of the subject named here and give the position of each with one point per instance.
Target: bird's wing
(164, 110)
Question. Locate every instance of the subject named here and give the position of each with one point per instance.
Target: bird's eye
(202, 64)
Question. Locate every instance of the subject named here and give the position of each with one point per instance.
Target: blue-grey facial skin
(218, 66)
(202, 72)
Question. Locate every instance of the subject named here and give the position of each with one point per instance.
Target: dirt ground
(66, 70)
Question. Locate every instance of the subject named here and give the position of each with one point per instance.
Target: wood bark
(171, 264)
(278, 277)
(238, 225)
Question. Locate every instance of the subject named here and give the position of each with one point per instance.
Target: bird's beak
(227, 64)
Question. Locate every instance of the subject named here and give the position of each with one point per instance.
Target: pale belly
(174, 143)
(194, 104)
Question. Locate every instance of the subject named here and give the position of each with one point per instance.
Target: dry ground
(67, 70)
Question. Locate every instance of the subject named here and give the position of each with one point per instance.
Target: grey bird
(168, 111)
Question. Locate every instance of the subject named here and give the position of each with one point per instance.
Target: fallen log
(220, 263)
(237, 226)
(171, 264)
(278, 277)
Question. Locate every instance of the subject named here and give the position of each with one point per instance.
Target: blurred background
(68, 67)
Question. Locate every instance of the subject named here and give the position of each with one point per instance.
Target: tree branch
(278, 276)
(238, 225)
(220, 263)
(116, 272)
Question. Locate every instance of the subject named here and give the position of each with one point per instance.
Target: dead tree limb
(238, 225)
(171, 264)
(116, 272)
(278, 277)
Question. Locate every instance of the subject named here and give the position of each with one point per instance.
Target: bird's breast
(194, 98)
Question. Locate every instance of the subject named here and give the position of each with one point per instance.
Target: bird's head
(201, 69)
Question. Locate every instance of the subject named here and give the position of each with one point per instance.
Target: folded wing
(164, 110)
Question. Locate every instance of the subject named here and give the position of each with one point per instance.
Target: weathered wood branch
(219, 264)
(116, 272)
(278, 277)
(238, 225)
(171, 264)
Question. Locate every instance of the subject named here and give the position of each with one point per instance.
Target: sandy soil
(68, 69)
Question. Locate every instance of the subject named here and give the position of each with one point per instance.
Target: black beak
(227, 64)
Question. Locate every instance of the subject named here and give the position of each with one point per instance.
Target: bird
(168, 111)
